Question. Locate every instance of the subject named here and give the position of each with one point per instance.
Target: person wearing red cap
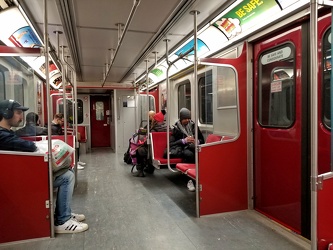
(157, 125)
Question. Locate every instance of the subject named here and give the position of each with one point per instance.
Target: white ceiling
(95, 32)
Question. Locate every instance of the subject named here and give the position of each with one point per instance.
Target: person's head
(11, 113)
(184, 116)
(32, 118)
(151, 114)
(58, 118)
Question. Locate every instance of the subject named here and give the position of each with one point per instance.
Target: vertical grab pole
(147, 92)
(314, 116)
(136, 102)
(195, 93)
(331, 91)
(169, 104)
(49, 120)
(64, 100)
(148, 124)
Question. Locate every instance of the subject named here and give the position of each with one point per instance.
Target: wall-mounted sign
(276, 55)
(245, 15)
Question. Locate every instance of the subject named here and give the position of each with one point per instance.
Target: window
(206, 98)
(226, 112)
(99, 111)
(2, 86)
(69, 110)
(184, 95)
(326, 91)
(277, 87)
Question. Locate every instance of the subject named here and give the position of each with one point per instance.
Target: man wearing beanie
(184, 113)
(182, 138)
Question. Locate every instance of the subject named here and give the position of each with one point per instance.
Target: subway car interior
(253, 77)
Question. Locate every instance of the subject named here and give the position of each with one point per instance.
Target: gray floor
(155, 212)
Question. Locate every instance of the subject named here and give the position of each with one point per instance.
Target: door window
(327, 66)
(99, 111)
(277, 87)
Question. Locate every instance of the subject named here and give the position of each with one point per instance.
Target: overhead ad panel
(247, 14)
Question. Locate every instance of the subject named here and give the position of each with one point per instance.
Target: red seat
(191, 173)
(158, 145)
(213, 138)
(189, 168)
(183, 167)
(83, 133)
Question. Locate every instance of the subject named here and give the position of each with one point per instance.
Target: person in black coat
(11, 115)
(57, 123)
(182, 140)
(31, 127)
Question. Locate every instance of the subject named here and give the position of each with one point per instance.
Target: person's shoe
(190, 186)
(149, 169)
(80, 167)
(71, 227)
(78, 217)
(139, 171)
(82, 163)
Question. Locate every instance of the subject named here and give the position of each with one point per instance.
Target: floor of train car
(155, 212)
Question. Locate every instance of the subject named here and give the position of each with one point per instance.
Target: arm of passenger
(174, 141)
(15, 143)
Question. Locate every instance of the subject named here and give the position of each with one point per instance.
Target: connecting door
(100, 121)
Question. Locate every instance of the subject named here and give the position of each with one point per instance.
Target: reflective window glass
(277, 87)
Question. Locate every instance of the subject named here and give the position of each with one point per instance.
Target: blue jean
(65, 185)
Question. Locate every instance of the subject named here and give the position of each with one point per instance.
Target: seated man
(182, 139)
(11, 115)
(57, 123)
(31, 127)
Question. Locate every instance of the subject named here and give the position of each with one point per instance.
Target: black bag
(175, 152)
(127, 156)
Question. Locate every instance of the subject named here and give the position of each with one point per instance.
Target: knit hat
(159, 117)
(184, 113)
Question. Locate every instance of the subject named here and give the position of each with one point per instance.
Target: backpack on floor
(137, 140)
(127, 156)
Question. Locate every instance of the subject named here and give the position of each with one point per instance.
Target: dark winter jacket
(56, 129)
(11, 142)
(177, 135)
(159, 127)
(31, 130)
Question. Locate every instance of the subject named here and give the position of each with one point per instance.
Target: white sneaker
(71, 226)
(78, 217)
(190, 186)
(80, 167)
(82, 163)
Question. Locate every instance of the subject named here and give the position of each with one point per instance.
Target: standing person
(11, 115)
(182, 138)
(57, 123)
(31, 127)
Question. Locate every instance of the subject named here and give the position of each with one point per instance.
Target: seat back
(83, 133)
(159, 143)
(213, 138)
